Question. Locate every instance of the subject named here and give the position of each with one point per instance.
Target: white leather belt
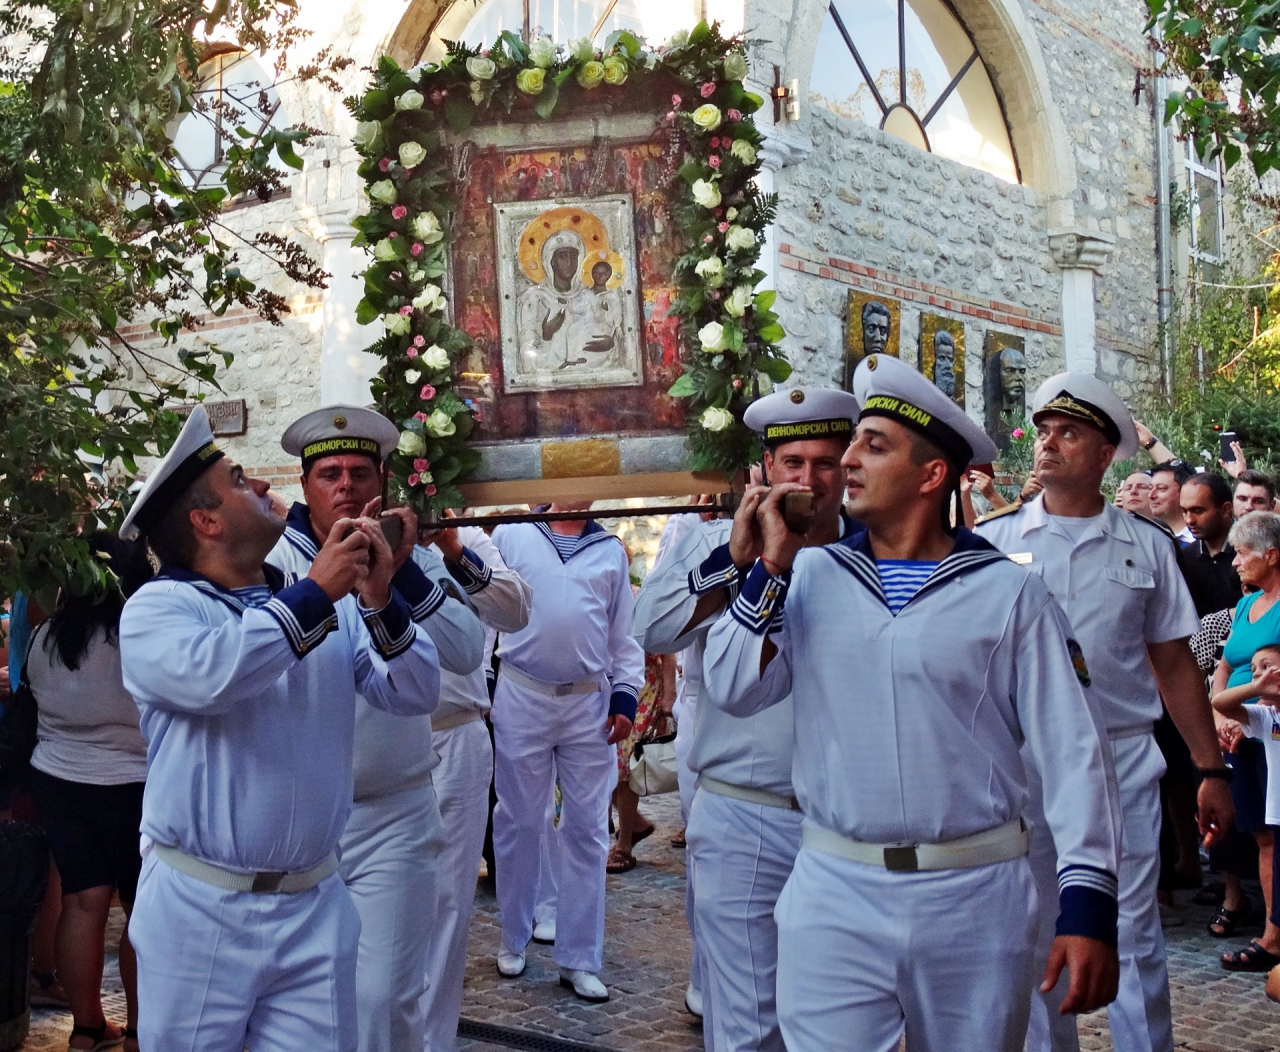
(748, 794)
(551, 690)
(262, 883)
(456, 720)
(1129, 732)
(998, 844)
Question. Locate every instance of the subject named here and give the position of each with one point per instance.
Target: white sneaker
(584, 984)
(544, 932)
(693, 1000)
(510, 965)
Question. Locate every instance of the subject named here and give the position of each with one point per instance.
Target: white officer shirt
(249, 712)
(1121, 588)
(580, 624)
(909, 727)
(393, 754)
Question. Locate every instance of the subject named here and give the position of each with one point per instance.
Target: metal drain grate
(530, 1040)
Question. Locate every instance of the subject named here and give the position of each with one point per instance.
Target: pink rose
(427, 393)
(411, 352)
(735, 115)
(430, 491)
(707, 90)
(737, 381)
(413, 479)
(714, 160)
(715, 142)
(408, 173)
(393, 234)
(722, 227)
(675, 100)
(384, 165)
(415, 249)
(406, 310)
(421, 464)
(671, 115)
(399, 212)
(1018, 432)
(708, 239)
(437, 97)
(420, 416)
(419, 341)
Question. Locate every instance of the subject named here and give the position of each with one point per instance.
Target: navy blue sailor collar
(971, 552)
(594, 532)
(298, 532)
(277, 581)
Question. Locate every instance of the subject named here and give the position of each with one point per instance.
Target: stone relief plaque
(873, 327)
(570, 312)
(1004, 382)
(942, 354)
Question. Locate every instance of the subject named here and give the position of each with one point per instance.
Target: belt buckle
(266, 883)
(901, 859)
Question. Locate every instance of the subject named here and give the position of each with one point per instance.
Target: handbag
(654, 766)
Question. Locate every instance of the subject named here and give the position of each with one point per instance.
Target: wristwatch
(1150, 445)
(1226, 774)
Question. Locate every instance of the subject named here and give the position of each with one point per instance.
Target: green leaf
(682, 388)
(777, 369)
(285, 151)
(377, 105)
(772, 333)
(459, 114)
(546, 103)
(700, 33)
(1191, 27)
(765, 300)
(366, 312)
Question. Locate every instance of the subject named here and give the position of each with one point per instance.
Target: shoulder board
(1156, 524)
(1008, 509)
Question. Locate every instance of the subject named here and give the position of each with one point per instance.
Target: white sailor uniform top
(909, 727)
(249, 711)
(580, 625)
(391, 753)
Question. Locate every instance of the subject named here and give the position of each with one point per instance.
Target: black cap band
(336, 447)
(1069, 405)
(922, 422)
(167, 493)
(836, 427)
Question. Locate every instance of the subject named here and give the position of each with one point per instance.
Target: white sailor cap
(335, 430)
(891, 388)
(1087, 398)
(190, 457)
(802, 413)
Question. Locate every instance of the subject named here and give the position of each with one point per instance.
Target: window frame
(1195, 167)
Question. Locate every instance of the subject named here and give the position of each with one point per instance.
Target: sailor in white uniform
(247, 687)
(1116, 576)
(744, 829)
(394, 836)
(566, 694)
(919, 662)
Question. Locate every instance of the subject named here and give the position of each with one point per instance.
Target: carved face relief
(1013, 380)
(875, 328)
(944, 362)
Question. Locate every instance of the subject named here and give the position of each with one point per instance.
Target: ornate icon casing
(943, 338)
(874, 326)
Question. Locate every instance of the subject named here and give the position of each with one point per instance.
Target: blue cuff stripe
(1087, 911)
(622, 702)
(761, 599)
(304, 613)
(717, 570)
(422, 594)
(391, 627)
(472, 572)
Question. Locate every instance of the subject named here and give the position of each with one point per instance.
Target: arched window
(232, 91)
(561, 20)
(910, 68)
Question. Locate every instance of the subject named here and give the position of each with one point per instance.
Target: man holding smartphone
(394, 835)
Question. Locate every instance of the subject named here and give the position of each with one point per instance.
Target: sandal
(679, 841)
(637, 837)
(1253, 958)
(96, 1034)
(1226, 921)
(620, 862)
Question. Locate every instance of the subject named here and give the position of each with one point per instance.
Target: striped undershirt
(253, 595)
(902, 578)
(566, 543)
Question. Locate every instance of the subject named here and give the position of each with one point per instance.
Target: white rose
(711, 270)
(711, 336)
(542, 52)
(416, 72)
(744, 151)
(412, 154)
(426, 228)
(397, 324)
(383, 191)
(410, 100)
(481, 68)
(714, 419)
(436, 357)
(384, 250)
(477, 92)
(678, 39)
(430, 299)
(738, 301)
(411, 444)
(706, 193)
(412, 376)
(739, 238)
(731, 214)
(440, 424)
(707, 116)
(367, 134)
(582, 49)
(735, 66)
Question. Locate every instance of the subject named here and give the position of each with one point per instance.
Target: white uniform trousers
(544, 903)
(534, 735)
(687, 780)
(1141, 1017)
(864, 953)
(461, 782)
(389, 852)
(742, 856)
(219, 971)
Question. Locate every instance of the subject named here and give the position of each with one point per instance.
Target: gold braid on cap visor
(1068, 406)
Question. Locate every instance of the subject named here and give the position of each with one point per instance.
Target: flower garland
(731, 330)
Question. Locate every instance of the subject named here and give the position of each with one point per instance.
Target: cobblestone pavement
(647, 960)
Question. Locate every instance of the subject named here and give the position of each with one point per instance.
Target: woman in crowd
(89, 767)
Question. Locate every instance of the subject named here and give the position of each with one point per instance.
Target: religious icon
(570, 310)
(1004, 382)
(942, 354)
(872, 328)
